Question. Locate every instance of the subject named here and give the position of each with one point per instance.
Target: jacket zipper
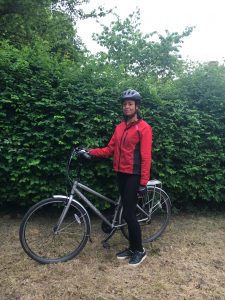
(125, 137)
(120, 148)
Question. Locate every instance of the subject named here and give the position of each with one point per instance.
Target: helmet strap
(128, 118)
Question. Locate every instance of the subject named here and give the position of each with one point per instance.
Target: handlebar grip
(86, 155)
(82, 153)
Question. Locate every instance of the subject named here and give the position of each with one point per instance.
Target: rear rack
(154, 183)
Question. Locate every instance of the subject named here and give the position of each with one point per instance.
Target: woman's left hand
(142, 190)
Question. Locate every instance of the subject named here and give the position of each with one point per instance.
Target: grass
(187, 262)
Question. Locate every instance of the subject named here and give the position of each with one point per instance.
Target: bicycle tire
(159, 218)
(37, 235)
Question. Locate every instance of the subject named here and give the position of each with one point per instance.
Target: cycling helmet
(132, 95)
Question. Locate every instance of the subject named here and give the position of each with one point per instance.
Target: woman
(130, 147)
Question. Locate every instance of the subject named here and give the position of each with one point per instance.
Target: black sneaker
(137, 258)
(127, 253)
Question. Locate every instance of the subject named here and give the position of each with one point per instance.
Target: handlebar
(81, 153)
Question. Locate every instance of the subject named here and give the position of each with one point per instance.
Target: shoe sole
(122, 258)
(135, 265)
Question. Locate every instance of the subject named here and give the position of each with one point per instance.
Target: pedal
(106, 245)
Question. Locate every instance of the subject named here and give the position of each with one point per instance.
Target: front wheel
(38, 235)
(153, 213)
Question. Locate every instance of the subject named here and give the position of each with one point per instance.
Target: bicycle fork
(62, 216)
(65, 210)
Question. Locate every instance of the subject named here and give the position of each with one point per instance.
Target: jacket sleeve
(106, 151)
(146, 154)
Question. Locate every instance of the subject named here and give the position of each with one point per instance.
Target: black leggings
(128, 187)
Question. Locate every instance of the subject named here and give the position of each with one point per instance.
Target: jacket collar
(131, 124)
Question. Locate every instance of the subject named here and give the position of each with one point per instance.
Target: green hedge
(49, 104)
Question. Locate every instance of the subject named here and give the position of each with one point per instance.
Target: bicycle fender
(60, 196)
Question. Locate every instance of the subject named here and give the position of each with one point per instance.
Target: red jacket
(131, 147)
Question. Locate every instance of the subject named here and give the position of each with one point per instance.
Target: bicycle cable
(70, 180)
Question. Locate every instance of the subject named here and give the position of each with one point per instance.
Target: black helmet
(132, 95)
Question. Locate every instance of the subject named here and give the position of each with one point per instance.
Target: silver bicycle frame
(75, 191)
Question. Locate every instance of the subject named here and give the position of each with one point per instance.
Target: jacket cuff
(143, 182)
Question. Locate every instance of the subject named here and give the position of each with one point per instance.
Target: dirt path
(188, 262)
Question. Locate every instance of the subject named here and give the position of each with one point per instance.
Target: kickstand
(105, 242)
(106, 245)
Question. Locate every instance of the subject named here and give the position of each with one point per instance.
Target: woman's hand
(142, 190)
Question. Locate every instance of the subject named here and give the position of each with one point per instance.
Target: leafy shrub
(50, 103)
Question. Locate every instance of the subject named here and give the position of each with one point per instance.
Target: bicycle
(57, 229)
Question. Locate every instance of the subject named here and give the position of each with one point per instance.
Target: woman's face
(129, 108)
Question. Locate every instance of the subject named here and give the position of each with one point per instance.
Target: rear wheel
(153, 214)
(39, 238)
